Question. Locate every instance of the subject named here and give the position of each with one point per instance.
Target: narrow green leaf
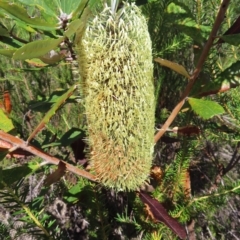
(26, 70)
(174, 66)
(20, 12)
(53, 144)
(52, 111)
(205, 108)
(92, 4)
(37, 48)
(81, 27)
(45, 103)
(11, 78)
(5, 123)
(72, 27)
(80, 8)
(233, 39)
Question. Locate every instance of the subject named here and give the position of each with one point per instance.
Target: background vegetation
(195, 173)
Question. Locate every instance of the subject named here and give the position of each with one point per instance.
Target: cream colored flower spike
(115, 59)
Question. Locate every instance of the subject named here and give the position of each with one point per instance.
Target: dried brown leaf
(187, 130)
(160, 214)
(56, 175)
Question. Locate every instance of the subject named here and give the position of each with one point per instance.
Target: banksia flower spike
(116, 68)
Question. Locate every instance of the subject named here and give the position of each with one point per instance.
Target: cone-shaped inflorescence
(115, 61)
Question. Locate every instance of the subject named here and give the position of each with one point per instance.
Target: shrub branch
(19, 143)
(193, 78)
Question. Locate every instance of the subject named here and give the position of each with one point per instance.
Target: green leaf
(34, 165)
(46, 6)
(81, 27)
(47, 9)
(71, 199)
(68, 6)
(20, 13)
(80, 8)
(37, 48)
(54, 144)
(25, 27)
(45, 103)
(179, 9)
(5, 123)
(205, 108)
(71, 136)
(76, 188)
(72, 27)
(52, 111)
(233, 39)
(8, 52)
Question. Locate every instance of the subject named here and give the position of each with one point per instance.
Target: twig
(193, 78)
(19, 143)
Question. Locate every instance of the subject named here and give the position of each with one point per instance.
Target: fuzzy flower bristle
(115, 61)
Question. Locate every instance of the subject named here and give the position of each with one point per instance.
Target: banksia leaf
(115, 61)
(56, 175)
(174, 66)
(52, 111)
(159, 214)
(187, 130)
(205, 108)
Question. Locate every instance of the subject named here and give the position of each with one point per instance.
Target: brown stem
(193, 78)
(17, 142)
